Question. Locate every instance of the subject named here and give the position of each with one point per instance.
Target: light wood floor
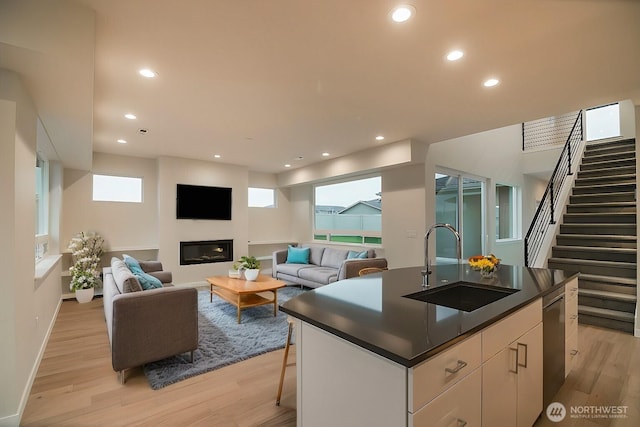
(76, 386)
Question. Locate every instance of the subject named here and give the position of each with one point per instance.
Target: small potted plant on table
(251, 267)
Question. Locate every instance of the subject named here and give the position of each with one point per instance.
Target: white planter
(84, 295)
(251, 274)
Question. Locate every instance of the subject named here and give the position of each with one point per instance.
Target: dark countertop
(372, 313)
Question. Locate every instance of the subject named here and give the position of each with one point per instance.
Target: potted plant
(251, 267)
(86, 250)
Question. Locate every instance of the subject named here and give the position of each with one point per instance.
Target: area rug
(222, 341)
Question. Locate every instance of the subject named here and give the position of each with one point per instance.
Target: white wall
(269, 224)
(495, 155)
(123, 225)
(403, 216)
(171, 232)
(26, 311)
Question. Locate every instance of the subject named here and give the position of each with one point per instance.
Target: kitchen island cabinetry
(370, 354)
(512, 377)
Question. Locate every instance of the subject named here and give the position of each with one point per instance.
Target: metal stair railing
(546, 213)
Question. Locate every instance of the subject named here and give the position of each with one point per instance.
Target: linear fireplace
(206, 251)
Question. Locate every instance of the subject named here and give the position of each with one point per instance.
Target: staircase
(598, 235)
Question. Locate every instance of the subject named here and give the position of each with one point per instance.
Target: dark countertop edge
(409, 363)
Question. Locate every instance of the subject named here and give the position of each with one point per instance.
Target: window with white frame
(349, 211)
(42, 207)
(507, 224)
(603, 122)
(107, 188)
(262, 197)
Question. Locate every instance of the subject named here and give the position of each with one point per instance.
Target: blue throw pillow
(357, 255)
(147, 281)
(297, 255)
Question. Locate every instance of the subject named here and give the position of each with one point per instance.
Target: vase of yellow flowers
(487, 265)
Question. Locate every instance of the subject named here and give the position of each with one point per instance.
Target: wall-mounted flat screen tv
(201, 202)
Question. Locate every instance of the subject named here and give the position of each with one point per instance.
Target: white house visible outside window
(349, 211)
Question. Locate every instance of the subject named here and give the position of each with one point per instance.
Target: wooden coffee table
(242, 293)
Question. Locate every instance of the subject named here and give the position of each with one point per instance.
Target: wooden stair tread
(606, 313)
(622, 281)
(616, 296)
(577, 261)
(597, 248)
(598, 236)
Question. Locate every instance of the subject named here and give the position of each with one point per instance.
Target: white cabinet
(571, 326)
(433, 376)
(512, 374)
(493, 378)
(460, 405)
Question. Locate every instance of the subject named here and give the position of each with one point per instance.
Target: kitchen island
(369, 355)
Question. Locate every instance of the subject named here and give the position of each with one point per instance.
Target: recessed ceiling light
(454, 55)
(217, 156)
(130, 116)
(491, 82)
(287, 165)
(402, 13)
(145, 72)
(122, 141)
(325, 154)
(379, 138)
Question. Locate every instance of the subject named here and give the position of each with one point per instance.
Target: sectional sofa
(322, 265)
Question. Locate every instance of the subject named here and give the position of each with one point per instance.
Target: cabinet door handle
(461, 364)
(461, 423)
(526, 353)
(574, 352)
(516, 370)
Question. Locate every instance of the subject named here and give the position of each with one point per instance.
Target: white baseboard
(34, 371)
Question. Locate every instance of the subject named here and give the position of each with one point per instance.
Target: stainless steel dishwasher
(553, 344)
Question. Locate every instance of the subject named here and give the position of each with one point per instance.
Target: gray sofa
(326, 265)
(147, 325)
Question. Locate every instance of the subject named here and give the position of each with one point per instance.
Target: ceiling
(262, 83)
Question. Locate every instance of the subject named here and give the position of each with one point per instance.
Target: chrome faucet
(427, 262)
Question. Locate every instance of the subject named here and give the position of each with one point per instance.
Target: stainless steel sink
(465, 296)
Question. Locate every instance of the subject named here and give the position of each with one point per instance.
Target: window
(603, 122)
(349, 211)
(459, 201)
(117, 189)
(262, 197)
(42, 207)
(506, 212)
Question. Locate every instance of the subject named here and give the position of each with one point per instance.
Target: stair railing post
(552, 221)
(569, 158)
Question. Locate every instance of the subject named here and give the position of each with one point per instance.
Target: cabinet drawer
(433, 376)
(571, 353)
(501, 334)
(571, 289)
(571, 314)
(460, 405)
